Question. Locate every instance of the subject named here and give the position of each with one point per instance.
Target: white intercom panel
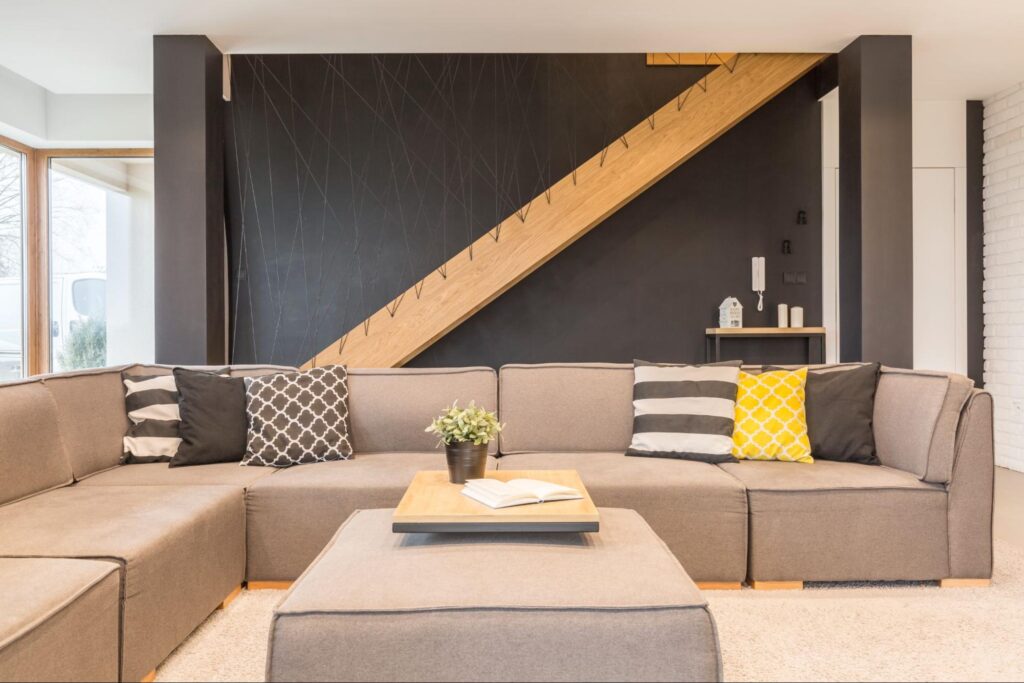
(757, 279)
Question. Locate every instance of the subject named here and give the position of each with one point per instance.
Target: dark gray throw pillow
(840, 409)
(213, 422)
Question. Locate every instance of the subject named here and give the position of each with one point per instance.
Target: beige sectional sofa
(181, 540)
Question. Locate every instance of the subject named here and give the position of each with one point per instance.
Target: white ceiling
(962, 48)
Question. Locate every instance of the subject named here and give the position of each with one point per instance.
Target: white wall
(1004, 270)
(940, 232)
(40, 118)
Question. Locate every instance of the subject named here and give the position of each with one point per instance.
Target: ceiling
(962, 48)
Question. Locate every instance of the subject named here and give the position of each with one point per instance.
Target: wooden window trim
(37, 240)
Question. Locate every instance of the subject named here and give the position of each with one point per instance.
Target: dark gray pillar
(876, 277)
(975, 242)
(188, 123)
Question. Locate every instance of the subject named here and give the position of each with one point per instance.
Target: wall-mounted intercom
(757, 279)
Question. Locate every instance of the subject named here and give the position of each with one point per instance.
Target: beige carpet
(912, 632)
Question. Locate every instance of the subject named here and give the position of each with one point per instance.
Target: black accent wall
(647, 281)
(351, 177)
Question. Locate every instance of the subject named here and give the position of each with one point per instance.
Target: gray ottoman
(608, 606)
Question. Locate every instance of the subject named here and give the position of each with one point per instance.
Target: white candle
(797, 316)
(783, 315)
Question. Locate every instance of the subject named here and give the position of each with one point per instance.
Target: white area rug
(827, 632)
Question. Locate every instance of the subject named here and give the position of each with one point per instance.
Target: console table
(815, 337)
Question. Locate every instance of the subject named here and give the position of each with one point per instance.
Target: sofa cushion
(60, 620)
(771, 420)
(32, 455)
(297, 418)
(213, 422)
(839, 521)
(292, 515)
(566, 407)
(181, 550)
(915, 420)
(698, 510)
(92, 418)
(161, 474)
(684, 411)
(389, 408)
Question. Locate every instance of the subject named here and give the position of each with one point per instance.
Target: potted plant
(465, 433)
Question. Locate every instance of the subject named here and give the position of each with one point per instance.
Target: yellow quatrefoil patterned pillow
(771, 418)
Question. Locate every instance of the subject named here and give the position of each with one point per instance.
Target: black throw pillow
(213, 423)
(840, 410)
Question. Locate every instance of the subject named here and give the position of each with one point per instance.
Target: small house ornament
(730, 313)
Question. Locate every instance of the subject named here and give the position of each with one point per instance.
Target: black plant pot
(466, 460)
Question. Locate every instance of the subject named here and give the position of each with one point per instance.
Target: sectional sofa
(106, 568)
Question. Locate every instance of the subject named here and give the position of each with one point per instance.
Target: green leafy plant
(459, 425)
(86, 346)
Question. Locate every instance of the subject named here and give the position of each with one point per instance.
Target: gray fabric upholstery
(970, 493)
(32, 456)
(293, 514)
(390, 407)
(613, 606)
(60, 620)
(160, 474)
(92, 418)
(697, 509)
(916, 414)
(838, 521)
(581, 407)
(182, 550)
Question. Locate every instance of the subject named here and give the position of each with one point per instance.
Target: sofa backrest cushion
(390, 408)
(92, 419)
(32, 455)
(915, 421)
(566, 407)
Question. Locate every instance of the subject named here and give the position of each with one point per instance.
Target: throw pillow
(297, 418)
(840, 412)
(771, 418)
(213, 424)
(684, 411)
(153, 418)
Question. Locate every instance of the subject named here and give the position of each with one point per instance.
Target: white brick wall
(1004, 270)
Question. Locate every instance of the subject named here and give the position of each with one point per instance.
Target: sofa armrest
(970, 491)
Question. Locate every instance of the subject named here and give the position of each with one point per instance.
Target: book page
(545, 490)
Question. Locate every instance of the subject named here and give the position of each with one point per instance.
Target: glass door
(12, 264)
(101, 262)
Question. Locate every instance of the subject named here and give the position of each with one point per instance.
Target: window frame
(37, 240)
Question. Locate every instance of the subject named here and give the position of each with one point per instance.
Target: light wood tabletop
(433, 505)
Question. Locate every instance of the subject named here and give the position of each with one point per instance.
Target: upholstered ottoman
(608, 606)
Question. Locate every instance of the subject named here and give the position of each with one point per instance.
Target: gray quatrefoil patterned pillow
(296, 418)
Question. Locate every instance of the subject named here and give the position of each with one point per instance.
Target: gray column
(188, 112)
(876, 278)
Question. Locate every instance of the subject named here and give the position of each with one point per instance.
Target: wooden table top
(765, 331)
(433, 505)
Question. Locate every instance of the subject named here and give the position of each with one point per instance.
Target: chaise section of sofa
(181, 550)
(60, 620)
(580, 416)
(180, 545)
(295, 513)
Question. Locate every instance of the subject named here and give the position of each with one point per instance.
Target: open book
(502, 494)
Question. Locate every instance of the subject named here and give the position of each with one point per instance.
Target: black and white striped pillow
(684, 411)
(153, 418)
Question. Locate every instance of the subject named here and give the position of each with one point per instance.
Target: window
(101, 262)
(12, 263)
